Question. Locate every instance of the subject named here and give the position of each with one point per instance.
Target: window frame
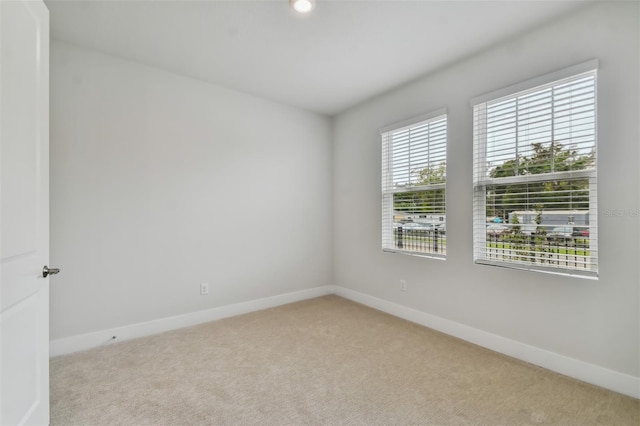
(481, 179)
(387, 187)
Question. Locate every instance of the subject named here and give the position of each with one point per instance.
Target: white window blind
(414, 155)
(535, 182)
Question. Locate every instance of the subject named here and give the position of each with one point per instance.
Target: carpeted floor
(325, 361)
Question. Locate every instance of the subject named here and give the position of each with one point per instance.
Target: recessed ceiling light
(302, 6)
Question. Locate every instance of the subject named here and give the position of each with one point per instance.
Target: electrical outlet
(403, 285)
(204, 288)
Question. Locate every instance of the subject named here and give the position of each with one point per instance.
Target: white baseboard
(590, 373)
(99, 338)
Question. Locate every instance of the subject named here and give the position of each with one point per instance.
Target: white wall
(596, 322)
(160, 182)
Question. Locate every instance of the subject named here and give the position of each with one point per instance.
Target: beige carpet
(325, 361)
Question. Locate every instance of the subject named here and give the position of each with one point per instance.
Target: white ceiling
(340, 55)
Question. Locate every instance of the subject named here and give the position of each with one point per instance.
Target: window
(535, 186)
(414, 166)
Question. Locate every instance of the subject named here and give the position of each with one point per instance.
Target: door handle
(46, 271)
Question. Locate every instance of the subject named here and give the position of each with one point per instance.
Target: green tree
(424, 201)
(430, 175)
(556, 194)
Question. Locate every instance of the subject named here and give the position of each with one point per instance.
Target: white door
(24, 212)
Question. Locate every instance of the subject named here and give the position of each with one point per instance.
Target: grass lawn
(549, 248)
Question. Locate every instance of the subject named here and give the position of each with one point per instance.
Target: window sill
(576, 273)
(416, 254)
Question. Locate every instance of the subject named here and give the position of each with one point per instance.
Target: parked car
(560, 233)
(496, 230)
(416, 226)
(529, 229)
(580, 232)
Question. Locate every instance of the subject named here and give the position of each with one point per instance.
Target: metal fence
(570, 253)
(419, 240)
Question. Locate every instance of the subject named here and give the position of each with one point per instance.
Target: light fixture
(302, 6)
